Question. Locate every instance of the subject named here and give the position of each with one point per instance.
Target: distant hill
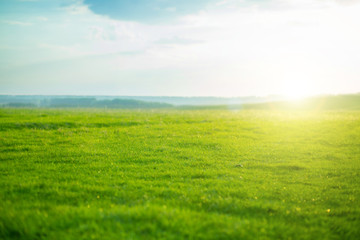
(43, 101)
(201, 101)
(86, 102)
(326, 102)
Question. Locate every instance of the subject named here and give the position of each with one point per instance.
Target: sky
(179, 48)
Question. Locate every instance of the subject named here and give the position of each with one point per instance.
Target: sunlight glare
(295, 90)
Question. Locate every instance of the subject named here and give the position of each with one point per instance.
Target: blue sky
(145, 10)
(187, 48)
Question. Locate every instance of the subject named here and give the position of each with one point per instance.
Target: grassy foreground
(111, 174)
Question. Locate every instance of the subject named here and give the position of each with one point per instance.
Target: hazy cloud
(76, 9)
(42, 19)
(347, 2)
(177, 41)
(19, 23)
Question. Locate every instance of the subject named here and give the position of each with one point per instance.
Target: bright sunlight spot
(295, 90)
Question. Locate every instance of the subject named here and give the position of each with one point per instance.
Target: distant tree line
(326, 102)
(83, 102)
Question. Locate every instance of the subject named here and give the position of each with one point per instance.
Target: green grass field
(172, 174)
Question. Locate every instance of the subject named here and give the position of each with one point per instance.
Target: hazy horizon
(180, 96)
(219, 48)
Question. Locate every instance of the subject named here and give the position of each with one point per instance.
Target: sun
(295, 90)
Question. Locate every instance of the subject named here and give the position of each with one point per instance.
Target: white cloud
(77, 9)
(178, 41)
(347, 2)
(222, 3)
(19, 23)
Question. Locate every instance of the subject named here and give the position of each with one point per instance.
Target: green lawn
(211, 174)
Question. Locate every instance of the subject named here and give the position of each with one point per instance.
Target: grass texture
(172, 174)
